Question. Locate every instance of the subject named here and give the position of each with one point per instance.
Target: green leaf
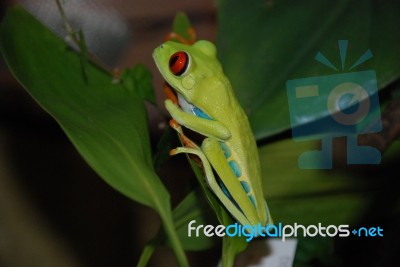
(263, 44)
(308, 196)
(193, 207)
(138, 80)
(105, 121)
(181, 25)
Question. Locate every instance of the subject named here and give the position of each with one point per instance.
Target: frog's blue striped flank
(238, 173)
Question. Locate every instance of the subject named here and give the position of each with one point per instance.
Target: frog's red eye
(178, 63)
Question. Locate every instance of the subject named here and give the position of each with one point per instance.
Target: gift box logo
(348, 105)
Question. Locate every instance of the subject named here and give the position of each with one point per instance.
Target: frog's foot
(170, 93)
(187, 142)
(173, 35)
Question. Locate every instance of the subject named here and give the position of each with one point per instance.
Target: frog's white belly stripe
(192, 109)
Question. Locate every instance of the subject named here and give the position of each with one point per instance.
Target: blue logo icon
(349, 105)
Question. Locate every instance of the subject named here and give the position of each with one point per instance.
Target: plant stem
(228, 256)
(173, 237)
(146, 255)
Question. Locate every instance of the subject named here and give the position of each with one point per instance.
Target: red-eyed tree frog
(206, 104)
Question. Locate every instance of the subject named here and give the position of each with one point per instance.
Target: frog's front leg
(209, 128)
(213, 183)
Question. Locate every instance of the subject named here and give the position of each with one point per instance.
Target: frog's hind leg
(215, 154)
(214, 184)
(191, 38)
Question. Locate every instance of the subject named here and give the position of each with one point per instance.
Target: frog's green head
(190, 69)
